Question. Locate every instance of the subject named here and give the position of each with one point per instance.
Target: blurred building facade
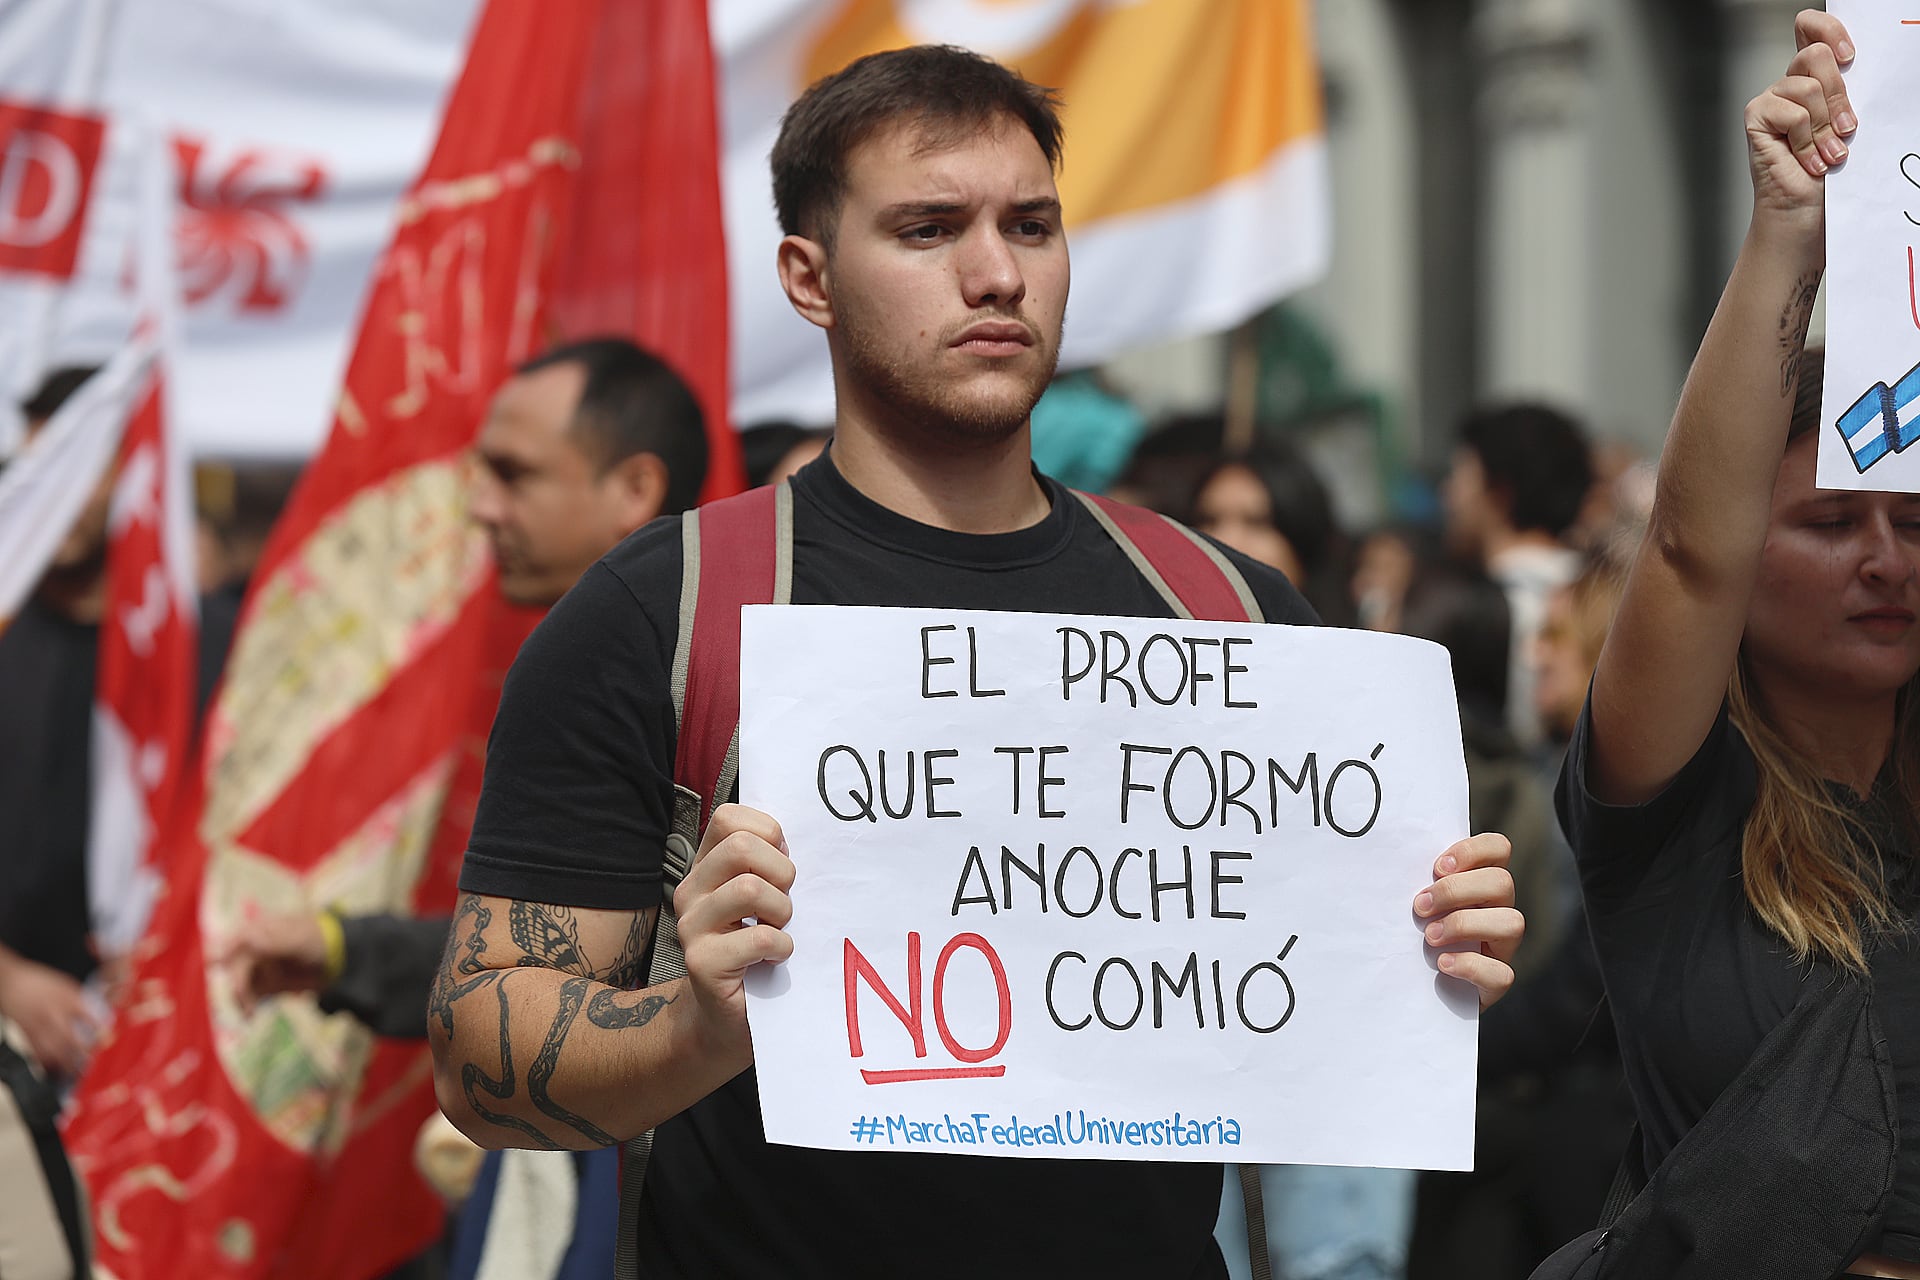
(1534, 198)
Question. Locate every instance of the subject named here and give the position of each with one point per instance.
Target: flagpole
(85, 71)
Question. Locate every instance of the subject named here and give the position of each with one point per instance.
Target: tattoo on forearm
(629, 967)
(550, 938)
(608, 1010)
(466, 944)
(1794, 318)
(474, 1082)
(573, 995)
(624, 1010)
(549, 935)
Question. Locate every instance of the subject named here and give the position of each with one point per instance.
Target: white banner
(296, 124)
(1107, 888)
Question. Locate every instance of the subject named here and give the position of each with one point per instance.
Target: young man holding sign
(924, 237)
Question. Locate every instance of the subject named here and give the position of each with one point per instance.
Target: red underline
(932, 1073)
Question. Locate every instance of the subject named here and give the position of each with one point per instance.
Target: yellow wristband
(335, 939)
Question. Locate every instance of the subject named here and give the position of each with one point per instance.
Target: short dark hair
(1298, 504)
(54, 390)
(1301, 511)
(1536, 458)
(1467, 613)
(943, 90)
(633, 402)
(765, 445)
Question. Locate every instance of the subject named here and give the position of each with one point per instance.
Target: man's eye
(926, 231)
(1032, 227)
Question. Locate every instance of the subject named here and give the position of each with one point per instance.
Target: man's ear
(640, 480)
(803, 274)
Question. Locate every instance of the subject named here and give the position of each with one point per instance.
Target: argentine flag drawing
(1886, 419)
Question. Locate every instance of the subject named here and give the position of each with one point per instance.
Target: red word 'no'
(912, 1014)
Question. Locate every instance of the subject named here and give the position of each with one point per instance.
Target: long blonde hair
(1812, 871)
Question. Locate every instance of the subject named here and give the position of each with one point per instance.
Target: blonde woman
(1741, 791)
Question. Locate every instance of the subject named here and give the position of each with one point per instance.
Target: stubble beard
(914, 397)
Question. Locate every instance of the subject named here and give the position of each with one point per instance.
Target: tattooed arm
(540, 1037)
(1671, 653)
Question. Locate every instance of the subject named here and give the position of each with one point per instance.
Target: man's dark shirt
(46, 735)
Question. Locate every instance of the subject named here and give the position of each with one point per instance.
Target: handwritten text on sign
(1106, 888)
(1870, 412)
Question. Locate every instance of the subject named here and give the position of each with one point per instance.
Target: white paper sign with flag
(1106, 888)
(1870, 414)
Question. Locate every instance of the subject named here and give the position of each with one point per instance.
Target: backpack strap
(1189, 572)
(1254, 1201)
(725, 565)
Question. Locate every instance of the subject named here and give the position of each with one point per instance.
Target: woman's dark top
(1694, 978)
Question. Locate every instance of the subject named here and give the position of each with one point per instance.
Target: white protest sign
(1106, 888)
(1870, 411)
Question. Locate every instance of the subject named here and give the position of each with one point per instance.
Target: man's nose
(485, 497)
(989, 272)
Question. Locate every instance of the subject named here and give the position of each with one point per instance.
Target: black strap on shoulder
(1627, 1181)
(1255, 1201)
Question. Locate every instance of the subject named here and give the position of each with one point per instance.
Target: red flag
(647, 257)
(218, 1145)
(143, 695)
(143, 689)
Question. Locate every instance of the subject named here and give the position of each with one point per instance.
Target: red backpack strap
(737, 552)
(1189, 572)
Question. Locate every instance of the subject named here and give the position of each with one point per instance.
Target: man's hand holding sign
(1100, 888)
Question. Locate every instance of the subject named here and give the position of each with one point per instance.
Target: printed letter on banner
(47, 159)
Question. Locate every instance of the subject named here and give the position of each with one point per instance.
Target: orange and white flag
(1194, 183)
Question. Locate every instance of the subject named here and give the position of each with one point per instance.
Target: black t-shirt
(47, 670)
(1695, 979)
(575, 809)
(46, 732)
